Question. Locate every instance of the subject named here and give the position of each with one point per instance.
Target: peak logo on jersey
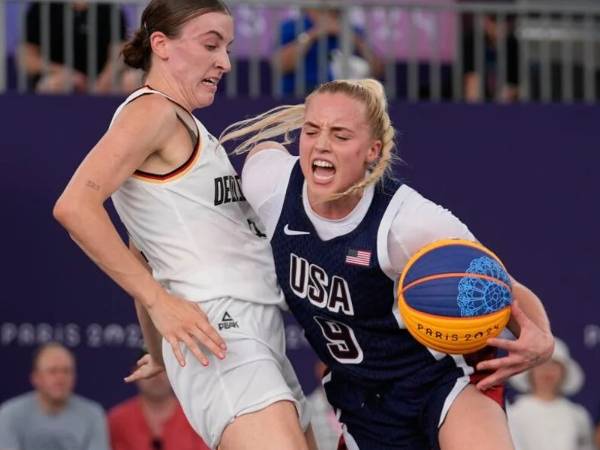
(228, 190)
(358, 257)
(227, 322)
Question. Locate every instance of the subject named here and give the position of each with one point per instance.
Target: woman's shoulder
(275, 162)
(151, 110)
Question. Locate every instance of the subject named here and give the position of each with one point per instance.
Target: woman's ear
(374, 152)
(159, 44)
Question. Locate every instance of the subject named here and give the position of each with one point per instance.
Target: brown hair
(166, 16)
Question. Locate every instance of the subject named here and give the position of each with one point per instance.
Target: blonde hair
(283, 120)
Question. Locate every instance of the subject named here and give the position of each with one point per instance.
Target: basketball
(453, 295)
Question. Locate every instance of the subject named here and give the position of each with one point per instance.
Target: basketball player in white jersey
(193, 238)
(340, 240)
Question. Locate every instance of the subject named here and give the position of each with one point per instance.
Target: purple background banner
(524, 178)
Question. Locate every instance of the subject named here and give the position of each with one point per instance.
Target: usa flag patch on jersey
(358, 257)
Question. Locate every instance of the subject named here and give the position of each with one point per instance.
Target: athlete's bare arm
(152, 337)
(140, 131)
(534, 345)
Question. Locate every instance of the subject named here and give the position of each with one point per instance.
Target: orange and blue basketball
(453, 295)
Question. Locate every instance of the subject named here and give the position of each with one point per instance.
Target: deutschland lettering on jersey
(228, 189)
(330, 284)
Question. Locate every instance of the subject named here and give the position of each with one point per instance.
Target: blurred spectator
(52, 417)
(324, 423)
(494, 36)
(316, 24)
(597, 434)
(152, 420)
(544, 419)
(58, 78)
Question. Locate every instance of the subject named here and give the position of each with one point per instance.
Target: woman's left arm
(534, 344)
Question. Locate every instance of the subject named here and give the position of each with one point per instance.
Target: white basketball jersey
(200, 236)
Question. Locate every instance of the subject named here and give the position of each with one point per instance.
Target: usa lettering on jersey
(322, 290)
(228, 189)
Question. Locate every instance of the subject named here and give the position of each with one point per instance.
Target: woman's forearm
(152, 338)
(91, 228)
(531, 306)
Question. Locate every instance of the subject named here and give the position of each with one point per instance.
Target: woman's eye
(210, 47)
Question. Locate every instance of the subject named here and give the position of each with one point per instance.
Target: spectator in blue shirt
(303, 40)
(52, 416)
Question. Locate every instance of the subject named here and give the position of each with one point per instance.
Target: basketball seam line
(454, 275)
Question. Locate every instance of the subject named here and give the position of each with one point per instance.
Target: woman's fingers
(215, 342)
(144, 372)
(182, 321)
(497, 363)
(174, 343)
(505, 344)
(144, 360)
(134, 376)
(492, 380)
(193, 346)
(205, 339)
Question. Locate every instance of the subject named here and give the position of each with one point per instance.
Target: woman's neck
(162, 83)
(334, 209)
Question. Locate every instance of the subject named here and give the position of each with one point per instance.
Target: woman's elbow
(64, 211)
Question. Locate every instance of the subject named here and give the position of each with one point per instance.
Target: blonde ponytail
(278, 121)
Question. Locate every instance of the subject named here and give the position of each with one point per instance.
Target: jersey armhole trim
(187, 164)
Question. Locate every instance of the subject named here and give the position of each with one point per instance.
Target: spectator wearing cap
(544, 418)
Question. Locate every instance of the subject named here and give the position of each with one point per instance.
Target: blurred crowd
(311, 48)
(52, 416)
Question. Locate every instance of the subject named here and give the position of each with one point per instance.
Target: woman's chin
(321, 187)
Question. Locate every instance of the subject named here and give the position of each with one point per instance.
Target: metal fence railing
(429, 50)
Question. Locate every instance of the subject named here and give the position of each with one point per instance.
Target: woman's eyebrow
(218, 35)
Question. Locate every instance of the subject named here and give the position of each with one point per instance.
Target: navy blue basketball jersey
(339, 293)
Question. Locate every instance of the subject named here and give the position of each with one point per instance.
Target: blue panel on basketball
(448, 259)
(458, 296)
(437, 297)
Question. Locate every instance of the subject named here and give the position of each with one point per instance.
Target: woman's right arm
(141, 129)
(152, 338)
(152, 363)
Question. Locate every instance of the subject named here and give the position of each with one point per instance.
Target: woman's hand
(180, 320)
(146, 368)
(533, 347)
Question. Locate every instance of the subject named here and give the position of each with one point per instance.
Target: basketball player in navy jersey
(340, 241)
(193, 238)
